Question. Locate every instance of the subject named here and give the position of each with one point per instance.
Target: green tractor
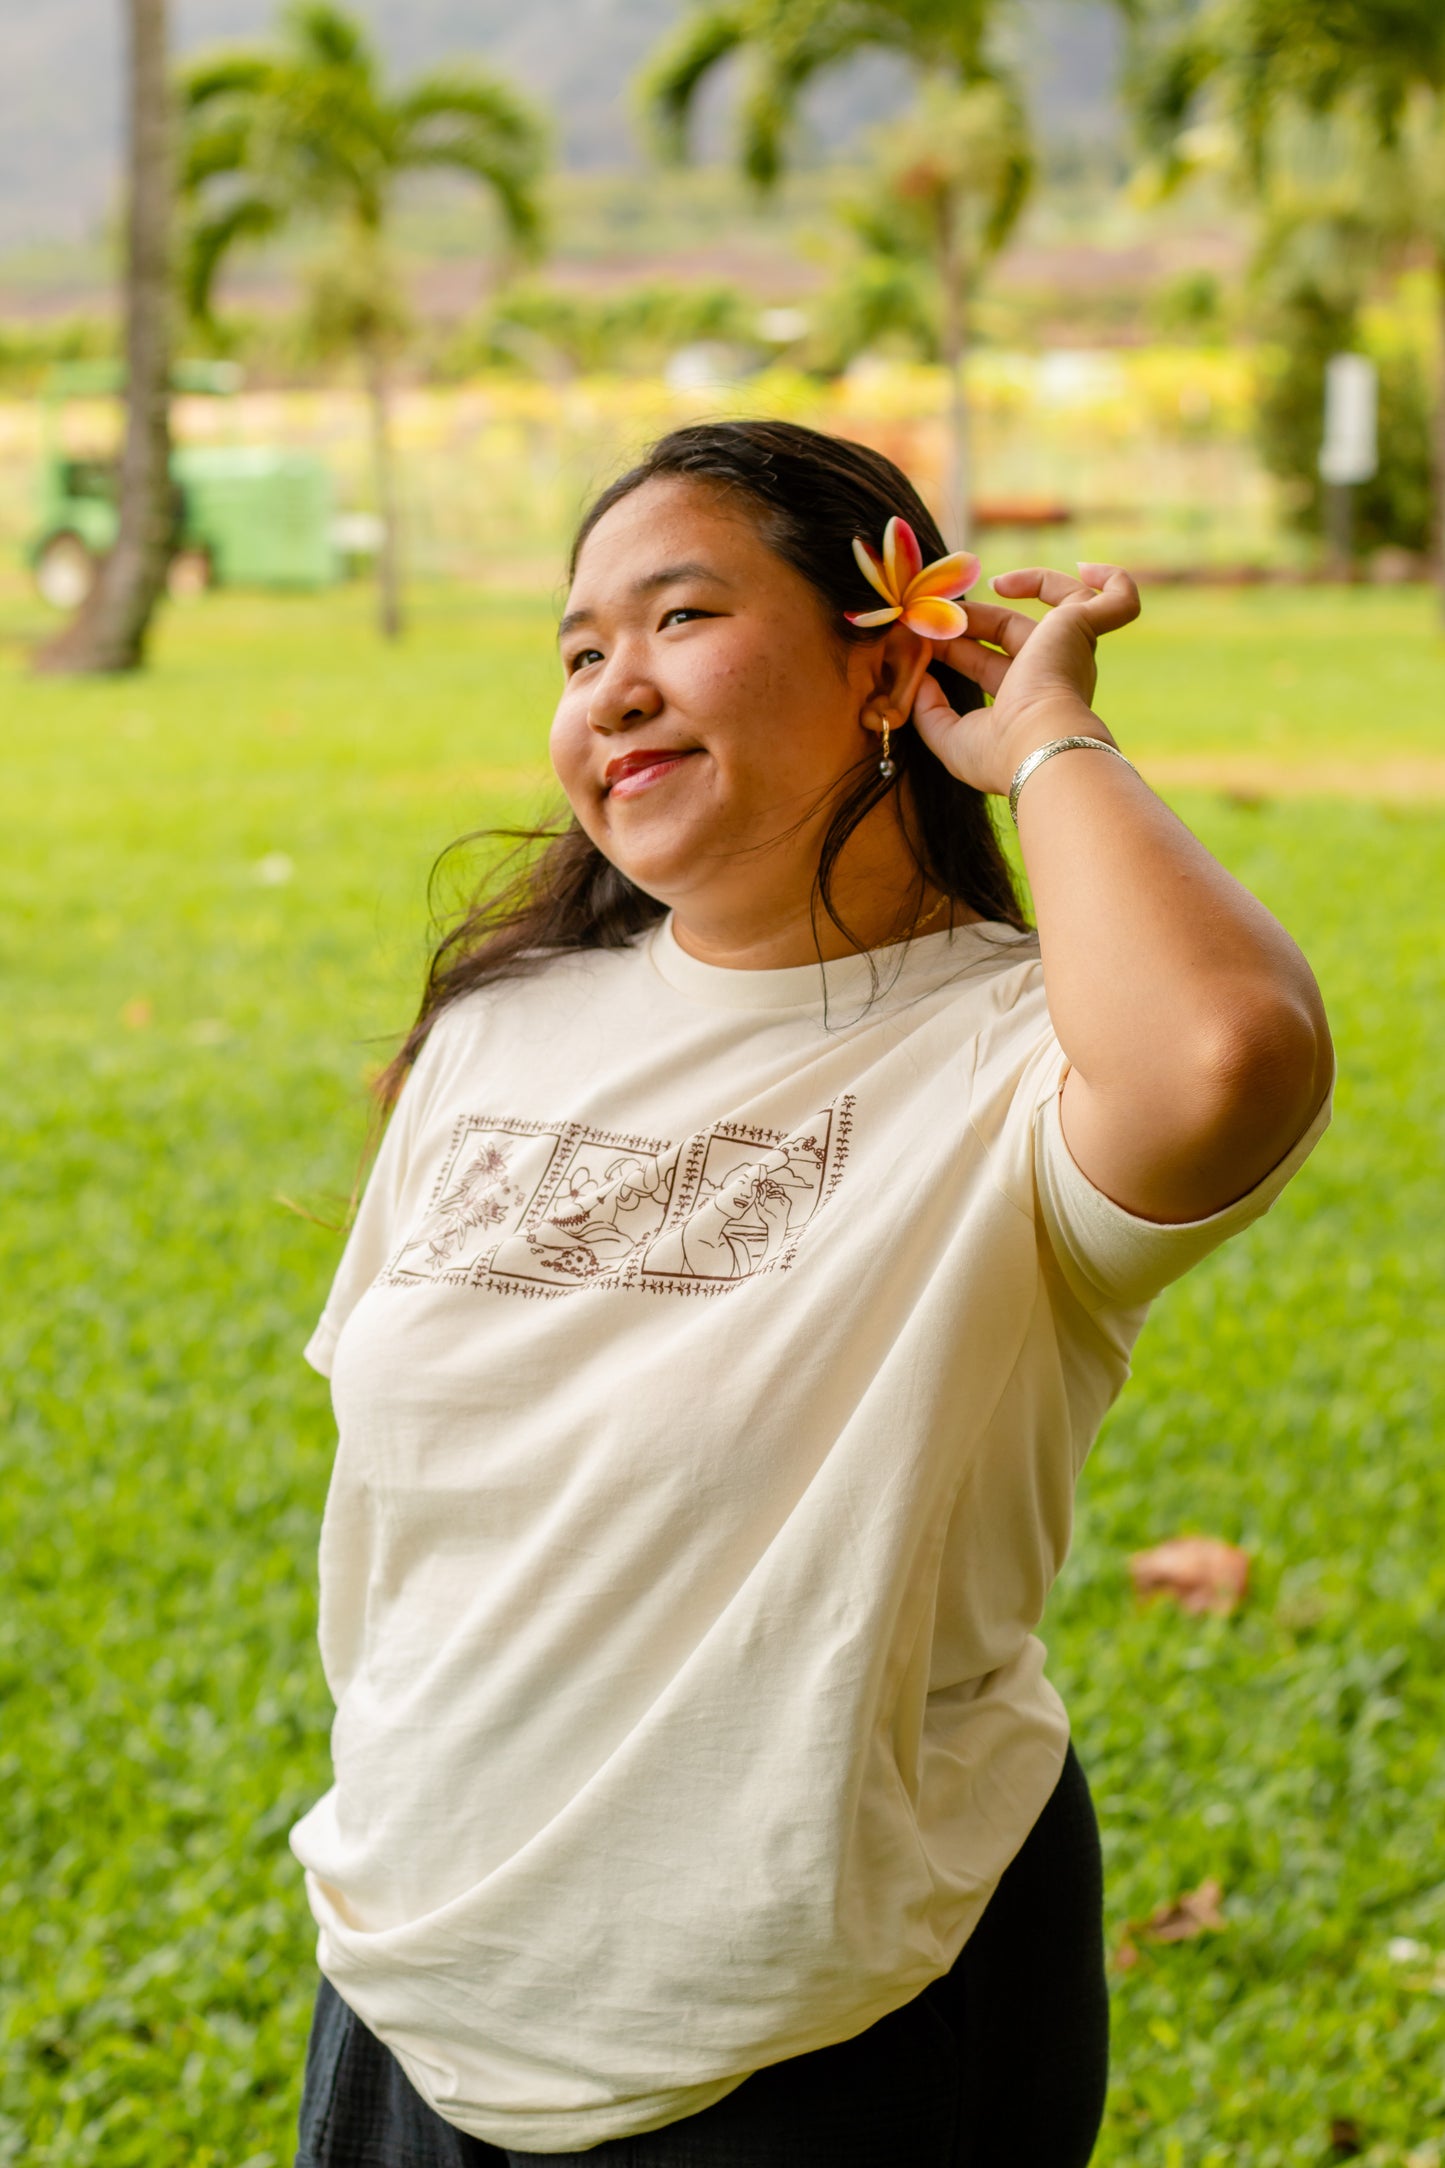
(246, 515)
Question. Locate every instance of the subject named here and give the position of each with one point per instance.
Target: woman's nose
(622, 696)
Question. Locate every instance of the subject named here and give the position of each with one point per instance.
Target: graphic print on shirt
(749, 1204)
(610, 1197)
(491, 1175)
(534, 1209)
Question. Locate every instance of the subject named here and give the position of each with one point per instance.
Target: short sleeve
(1110, 1257)
(374, 1230)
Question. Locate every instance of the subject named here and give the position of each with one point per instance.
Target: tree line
(1330, 125)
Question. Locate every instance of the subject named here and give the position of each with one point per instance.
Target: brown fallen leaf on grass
(1346, 2141)
(135, 1015)
(1197, 1912)
(1201, 1573)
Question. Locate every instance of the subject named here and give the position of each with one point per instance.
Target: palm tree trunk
(109, 630)
(953, 279)
(383, 467)
(1439, 519)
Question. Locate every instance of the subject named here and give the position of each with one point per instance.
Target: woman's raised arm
(1196, 1037)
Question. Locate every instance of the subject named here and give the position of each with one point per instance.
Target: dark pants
(1000, 2064)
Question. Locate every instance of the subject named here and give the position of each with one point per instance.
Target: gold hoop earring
(887, 766)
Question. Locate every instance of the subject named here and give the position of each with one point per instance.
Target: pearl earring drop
(887, 766)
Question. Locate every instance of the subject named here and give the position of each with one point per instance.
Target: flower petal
(951, 575)
(873, 617)
(935, 619)
(902, 558)
(870, 564)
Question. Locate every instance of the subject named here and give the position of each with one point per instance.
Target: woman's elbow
(1266, 1071)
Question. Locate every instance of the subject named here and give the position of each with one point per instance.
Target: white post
(1350, 451)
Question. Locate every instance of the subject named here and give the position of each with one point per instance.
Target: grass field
(212, 920)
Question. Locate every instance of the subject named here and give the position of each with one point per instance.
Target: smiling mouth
(639, 771)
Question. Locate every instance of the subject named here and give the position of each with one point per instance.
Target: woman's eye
(682, 613)
(583, 656)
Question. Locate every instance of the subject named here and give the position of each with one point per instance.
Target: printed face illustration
(744, 1188)
(687, 638)
(740, 1191)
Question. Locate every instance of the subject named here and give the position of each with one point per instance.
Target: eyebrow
(667, 577)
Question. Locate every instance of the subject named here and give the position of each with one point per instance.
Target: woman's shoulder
(998, 1009)
(991, 966)
(533, 975)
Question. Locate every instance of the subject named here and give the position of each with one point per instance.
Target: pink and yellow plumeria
(922, 595)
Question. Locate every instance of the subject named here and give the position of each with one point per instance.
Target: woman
(699, 1796)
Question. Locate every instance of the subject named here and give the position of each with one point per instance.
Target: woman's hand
(1042, 682)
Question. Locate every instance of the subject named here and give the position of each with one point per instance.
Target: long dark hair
(809, 494)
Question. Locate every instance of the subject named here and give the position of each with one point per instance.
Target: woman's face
(708, 712)
(737, 1193)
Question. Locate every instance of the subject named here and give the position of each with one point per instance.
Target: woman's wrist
(1044, 725)
(1076, 743)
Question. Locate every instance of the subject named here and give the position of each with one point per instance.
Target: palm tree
(1262, 64)
(957, 172)
(305, 134)
(109, 630)
(961, 165)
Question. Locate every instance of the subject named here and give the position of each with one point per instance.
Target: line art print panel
(755, 1191)
(533, 1209)
(493, 1172)
(610, 1198)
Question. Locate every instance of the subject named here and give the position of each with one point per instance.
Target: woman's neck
(763, 918)
(784, 936)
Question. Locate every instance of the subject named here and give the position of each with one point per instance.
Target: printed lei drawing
(538, 1209)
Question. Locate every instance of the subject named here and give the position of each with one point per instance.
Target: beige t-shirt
(712, 1376)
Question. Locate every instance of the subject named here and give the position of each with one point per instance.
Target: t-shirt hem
(573, 2133)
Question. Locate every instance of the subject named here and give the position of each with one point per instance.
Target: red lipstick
(631, 773)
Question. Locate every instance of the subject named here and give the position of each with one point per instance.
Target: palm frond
(765, 122)
(210, 240)
(470, 122)
(1164, 85)
(230, 74)
(1013, 186)
(327, 37)
(304, 132)
(947, 35)
(785, 62)
(512, 185)
(467, 95)
(206, 153)
(671, 80)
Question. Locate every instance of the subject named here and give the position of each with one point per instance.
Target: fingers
(908, 692)
(1106, 596)
(986, 669)
(1038, 582)
(1007, 629)
(1117, 602)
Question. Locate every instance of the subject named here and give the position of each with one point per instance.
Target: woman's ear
(902, 660)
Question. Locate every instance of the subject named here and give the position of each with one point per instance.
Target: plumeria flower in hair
(922, 595)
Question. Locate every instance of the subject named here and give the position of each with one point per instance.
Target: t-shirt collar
(801, 987)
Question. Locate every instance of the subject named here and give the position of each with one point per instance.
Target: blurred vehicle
(246, 515)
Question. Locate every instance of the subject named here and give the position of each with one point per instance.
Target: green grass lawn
(211, 923)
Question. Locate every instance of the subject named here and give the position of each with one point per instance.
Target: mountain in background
(60, 84)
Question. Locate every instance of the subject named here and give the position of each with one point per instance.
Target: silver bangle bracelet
(1042, 753)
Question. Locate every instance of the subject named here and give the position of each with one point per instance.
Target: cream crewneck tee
(712, 1375)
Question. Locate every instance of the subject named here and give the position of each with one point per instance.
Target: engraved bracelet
(1042, 753)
